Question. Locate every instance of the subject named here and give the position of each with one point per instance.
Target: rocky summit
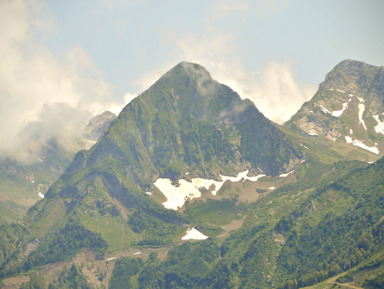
(348, 107)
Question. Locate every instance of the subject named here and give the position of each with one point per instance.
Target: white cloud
(34, 83)
(273, 88)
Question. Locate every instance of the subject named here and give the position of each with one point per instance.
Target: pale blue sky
(129, 38)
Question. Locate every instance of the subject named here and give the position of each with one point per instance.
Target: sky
(65, 61)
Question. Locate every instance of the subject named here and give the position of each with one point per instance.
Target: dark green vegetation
(323, 220)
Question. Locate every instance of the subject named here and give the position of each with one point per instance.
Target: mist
(43, 96)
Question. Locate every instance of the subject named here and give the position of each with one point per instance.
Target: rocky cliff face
(348, 107)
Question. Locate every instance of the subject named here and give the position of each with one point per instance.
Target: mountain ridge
(348, 107)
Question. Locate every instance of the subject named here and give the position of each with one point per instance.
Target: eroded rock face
(349, 103)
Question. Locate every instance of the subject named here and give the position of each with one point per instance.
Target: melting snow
(350, 131)
(324, 109)
(148, 193)
(312, 133)
(176, 196)
(113, 258)
(302, 161)
(379, 128)
(361, 112)
(338, 113)
(286, 175)
(339, 90)
(137, 253)
(358, 143)
(271, 188)
(193, 234)
(41, 195)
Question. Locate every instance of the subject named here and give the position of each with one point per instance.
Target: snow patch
(350, 131)
(350, 94)
(113, 258)
(379, 128)
(339, 90)
(286, 175)
(148, 193)
(302, 161)
(41, 195)
(361, 112)
(358, 143)
(271, 188)
(324, 109)
(137, 253)
(193, 234)
(312, 133)
(338, 113)
(177, 195)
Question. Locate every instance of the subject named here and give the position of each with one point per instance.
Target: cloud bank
(43, 96)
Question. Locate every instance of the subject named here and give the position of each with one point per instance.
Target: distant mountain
(348, 107)
(98, 125)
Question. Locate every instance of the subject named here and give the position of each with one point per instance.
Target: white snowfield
(361, 112)
(193, 234)
(379, 128)
(285, 175)
(41, 195)
(338, 113)
(324, 109)
(358, 143)
(177, 195)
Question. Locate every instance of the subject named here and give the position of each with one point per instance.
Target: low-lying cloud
(42, 96)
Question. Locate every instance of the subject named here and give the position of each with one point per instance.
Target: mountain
(348, 107)
(23, 184)
(192, 187)
(184, 126)
(98, 125)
